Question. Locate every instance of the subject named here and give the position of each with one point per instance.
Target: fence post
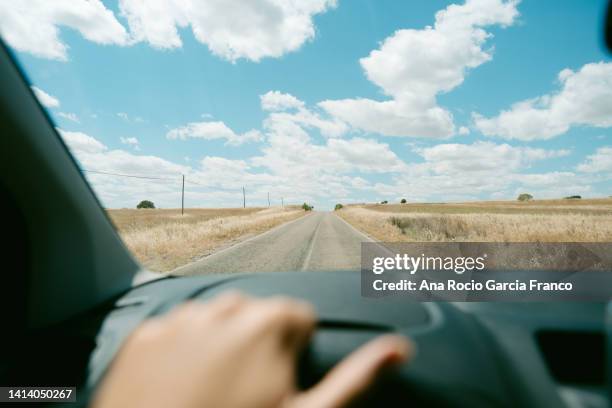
(183, 197)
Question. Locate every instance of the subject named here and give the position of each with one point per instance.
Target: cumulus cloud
(224, 173)
(117, 191)
(286, 108)
(484, 157)
(584, 99)
(128, 118)
(33, 26)
(81, 143)
(69, 116)
(412, 67)
(455, 171)
(94, 155)
(45, 99)
(211, 131)
(232, 29)
(276, 101)
(292, 151)
(599, 162)
(130, 141)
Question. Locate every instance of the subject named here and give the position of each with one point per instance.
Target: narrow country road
(316, 242)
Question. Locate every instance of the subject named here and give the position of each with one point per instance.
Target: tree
(384, 202)
(338, 207)
(573, 197)
(403, 201)
(525, 197)
(145, 204)
(307, 207)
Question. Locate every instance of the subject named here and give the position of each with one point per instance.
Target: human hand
(236, 352)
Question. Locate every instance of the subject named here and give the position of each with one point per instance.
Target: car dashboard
(468, 354)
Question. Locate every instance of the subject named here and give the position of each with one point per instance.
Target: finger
(291, 320)
(226, 303)
(357, 372)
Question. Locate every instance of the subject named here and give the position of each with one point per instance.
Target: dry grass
(127, 220)
(587, 206)
(493, 221)
(163, 240)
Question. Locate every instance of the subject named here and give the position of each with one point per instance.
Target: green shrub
(403, 201)
(573, 197)
(307, 207)
(145, 204)
(338, 207)
(384, 202)
(525, 197)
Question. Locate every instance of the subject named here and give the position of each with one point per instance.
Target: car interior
(72, 292)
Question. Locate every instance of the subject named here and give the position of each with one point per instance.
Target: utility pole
(282, 202)
(243, 198)
(183, 197)
(268, 199)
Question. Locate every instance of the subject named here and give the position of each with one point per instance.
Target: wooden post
(183, 197)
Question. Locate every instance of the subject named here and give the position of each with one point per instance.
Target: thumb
(356, 373)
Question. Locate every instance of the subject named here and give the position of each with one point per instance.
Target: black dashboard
(468, 354)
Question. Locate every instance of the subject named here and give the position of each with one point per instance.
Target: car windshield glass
(231, 136)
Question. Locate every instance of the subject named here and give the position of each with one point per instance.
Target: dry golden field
(486, 221)
(163, 240)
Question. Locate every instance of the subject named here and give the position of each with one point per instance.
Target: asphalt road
(316, 242)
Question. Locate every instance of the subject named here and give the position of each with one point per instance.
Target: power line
(129, 175)
(195, 182)
(177, 179)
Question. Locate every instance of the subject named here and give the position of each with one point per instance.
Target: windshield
(233, 136)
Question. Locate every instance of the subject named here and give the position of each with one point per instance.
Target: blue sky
(325, 101)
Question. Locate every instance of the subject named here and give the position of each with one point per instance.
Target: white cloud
(130, 141)
(483, 157)
(276, 101)
(600, 162)
(70, 116)
(393, 117)
(45, 99)
(286, 108)
(116, 191)
(479, 170)
(413, 66)
(212, 131)
(128, 118)
(94, 155)
(223, 173)
(291, 151)
(33, 26)
(584, 99)
(232, 29)
(81, 143)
